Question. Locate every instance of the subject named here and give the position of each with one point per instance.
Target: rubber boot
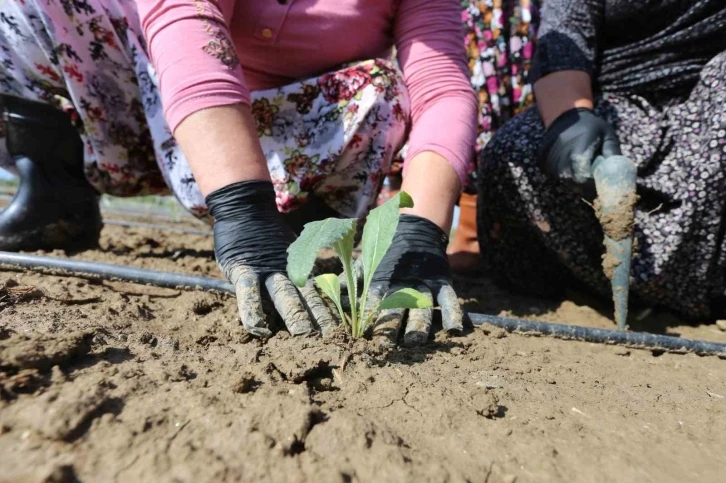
(55, 207)
(463, 251)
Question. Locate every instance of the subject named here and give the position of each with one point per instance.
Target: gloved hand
(572, 143)
(250, 243)
(416, 259)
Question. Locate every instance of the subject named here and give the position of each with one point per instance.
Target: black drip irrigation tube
(107, 271)
(94, 270)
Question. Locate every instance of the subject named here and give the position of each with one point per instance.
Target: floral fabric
(333, 136)
(538, 235)
(500, 37)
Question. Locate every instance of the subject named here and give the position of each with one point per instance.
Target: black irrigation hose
(642, 340)
(107, 271)
(154, 226)
(180, 281)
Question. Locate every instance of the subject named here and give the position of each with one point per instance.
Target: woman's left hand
(416, 259)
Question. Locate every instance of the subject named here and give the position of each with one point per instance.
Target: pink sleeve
(430, 46)
(190, 47)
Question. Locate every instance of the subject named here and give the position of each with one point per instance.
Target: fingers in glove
(418, 325)
(249, 301)
(322, 316)
(288, 304)
(376, 293)
(452, 315)
(388, 325)
(611, 144)
(583, 153)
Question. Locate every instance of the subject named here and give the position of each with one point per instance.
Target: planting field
(110, 381)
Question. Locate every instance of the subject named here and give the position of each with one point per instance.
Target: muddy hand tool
(615, 178)
(582, 151)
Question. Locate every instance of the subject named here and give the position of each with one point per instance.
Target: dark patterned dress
(659, 73)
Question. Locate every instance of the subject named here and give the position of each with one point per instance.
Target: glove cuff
(238, 199)
(568, 118)
(424, 229)
(248, 229)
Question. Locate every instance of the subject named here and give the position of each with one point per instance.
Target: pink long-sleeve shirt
(210, 53)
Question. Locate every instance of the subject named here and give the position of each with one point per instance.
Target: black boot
(55, 207)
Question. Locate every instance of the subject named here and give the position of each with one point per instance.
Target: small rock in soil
(486, 404)
(621, 351)
(721, 324)
(246, 383)
(202, 304)
(498, 333)
(59, 474)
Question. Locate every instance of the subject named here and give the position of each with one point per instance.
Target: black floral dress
(662, 85)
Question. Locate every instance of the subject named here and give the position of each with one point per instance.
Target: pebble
(622, 351)
(721, 324)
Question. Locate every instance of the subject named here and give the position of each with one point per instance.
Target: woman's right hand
(250, 243)
(575, 136)
(572, 144)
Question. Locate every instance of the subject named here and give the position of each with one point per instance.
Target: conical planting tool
(615, 179)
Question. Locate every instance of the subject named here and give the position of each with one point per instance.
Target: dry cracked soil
(111, 381)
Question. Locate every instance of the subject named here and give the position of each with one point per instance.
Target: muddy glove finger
(288, 303)
(376, 293)
(322, 315)
(452, 315)
(249, 301)
(388, 325)
(418, 325)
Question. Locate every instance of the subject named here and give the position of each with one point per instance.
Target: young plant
(339, 233)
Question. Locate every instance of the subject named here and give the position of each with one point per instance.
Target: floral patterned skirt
(332, 136)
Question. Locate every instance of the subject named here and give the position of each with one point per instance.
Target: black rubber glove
(416, 259)
(250, 243)
(571, 145)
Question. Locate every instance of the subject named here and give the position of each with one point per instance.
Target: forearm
(561, 91)
(222, 147)
(434, 186)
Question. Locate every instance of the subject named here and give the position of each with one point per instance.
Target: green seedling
(339, 233)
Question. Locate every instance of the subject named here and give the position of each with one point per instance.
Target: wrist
(434, 186)
(562, 91)
(568, 117)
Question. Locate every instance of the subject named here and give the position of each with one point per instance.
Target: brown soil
(618, 223)
(609, 263)
(114, 381)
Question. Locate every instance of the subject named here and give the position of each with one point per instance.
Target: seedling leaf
(377, 238)
(406, 298)
(344, 249)
(379, 230)
(302, 252)
(330, 285)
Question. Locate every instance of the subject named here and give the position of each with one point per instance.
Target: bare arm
(228, 151)
(434, 186)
